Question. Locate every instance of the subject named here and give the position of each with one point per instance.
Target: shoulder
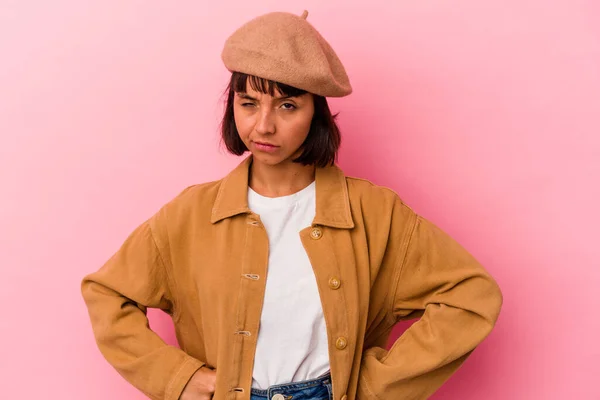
(380, 212)
(197, 192)
(369, 194)
(195, 199)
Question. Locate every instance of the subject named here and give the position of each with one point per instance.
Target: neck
(280, 180)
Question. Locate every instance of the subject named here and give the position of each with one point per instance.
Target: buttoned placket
(318, 243)
(249, 305)
(251, 297)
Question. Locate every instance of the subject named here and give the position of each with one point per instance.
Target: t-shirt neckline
(281, 201)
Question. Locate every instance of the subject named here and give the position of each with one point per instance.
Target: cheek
(244, 125)
(302, 127)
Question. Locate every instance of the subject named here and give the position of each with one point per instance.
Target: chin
(269, 159)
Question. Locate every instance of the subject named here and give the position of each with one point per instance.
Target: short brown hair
(323, 141)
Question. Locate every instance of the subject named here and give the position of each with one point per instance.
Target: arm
(117, 296)
(459, 303)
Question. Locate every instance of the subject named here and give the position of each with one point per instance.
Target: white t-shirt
(292, 339)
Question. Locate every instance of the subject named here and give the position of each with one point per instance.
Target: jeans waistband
(287, 387)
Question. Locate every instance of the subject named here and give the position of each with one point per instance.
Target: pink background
(483, 116)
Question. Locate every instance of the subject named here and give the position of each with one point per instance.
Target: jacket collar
(333, 203)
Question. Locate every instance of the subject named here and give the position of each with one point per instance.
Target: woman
(285, 278)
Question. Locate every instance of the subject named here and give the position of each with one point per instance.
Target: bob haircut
(323, 141)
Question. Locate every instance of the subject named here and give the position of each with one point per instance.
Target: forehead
(243, 83)
(260, 91)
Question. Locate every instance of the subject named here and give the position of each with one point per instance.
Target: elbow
(496, 300)
(86, 288)
(485, 304)
(491, 301)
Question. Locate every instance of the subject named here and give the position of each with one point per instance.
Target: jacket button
(334, 283)
(316, 233)
(341, 343)
(278, 397)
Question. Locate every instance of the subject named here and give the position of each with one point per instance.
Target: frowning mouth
(265, 147)
(265, 144)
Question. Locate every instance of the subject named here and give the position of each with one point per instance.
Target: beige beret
(286, 48)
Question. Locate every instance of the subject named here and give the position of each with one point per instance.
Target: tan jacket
(202, 258)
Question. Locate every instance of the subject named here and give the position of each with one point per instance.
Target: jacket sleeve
(458, 302)
(117, 296)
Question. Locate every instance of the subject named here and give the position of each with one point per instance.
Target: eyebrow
(248, 97)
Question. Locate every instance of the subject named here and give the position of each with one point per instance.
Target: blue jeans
(315, 389)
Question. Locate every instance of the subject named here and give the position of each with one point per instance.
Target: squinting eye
(247, 104)
(291, 106)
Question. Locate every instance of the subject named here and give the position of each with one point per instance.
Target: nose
(265, 124)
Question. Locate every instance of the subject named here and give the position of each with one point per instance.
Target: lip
(265, 144)
(265, 147)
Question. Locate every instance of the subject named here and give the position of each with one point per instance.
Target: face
(273, 127)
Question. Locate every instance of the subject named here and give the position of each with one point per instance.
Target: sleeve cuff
(181, 378)
(363, 391)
